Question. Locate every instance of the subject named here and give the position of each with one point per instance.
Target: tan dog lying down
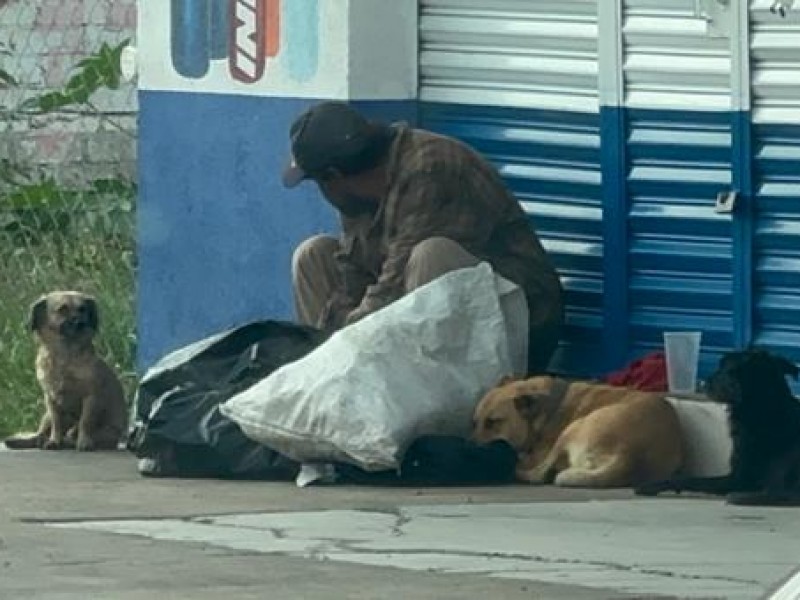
(582, 434)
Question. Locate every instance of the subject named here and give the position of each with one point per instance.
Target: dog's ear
(506, 379)
(526, 406)
(37, 314)
(94, 312)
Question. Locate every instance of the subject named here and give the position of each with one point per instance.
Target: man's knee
(438, 249)
(434, 257)
(313, 251)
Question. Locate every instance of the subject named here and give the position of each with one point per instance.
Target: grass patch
(54, 238)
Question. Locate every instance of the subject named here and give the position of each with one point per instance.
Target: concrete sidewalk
(88, 526)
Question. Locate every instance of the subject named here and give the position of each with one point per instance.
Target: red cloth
(648, 374)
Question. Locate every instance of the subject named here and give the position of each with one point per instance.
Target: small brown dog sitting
(84, 401)
(582, 434)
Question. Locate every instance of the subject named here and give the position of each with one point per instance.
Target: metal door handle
(726, 202)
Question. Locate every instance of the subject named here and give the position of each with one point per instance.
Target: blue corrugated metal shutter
(517, 79)
(775, 76)
(677, 100)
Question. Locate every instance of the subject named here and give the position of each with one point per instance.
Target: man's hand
(355, 315)
(337, 312)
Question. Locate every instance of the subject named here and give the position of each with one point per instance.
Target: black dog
(764, 419)
(449, 460)
(444, 460)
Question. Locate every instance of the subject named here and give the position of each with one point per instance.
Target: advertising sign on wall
(256, 47)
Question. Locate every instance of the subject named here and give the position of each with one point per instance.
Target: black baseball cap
(334, 136)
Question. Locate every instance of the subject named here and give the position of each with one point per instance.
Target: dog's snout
(76, 322)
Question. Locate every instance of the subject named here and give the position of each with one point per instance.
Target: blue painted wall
(552, 162)
(775, 233)
(216, 228)
(679, 251)
(623, 201)
(642, 251)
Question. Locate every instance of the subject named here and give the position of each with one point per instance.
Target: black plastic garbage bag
(178, 429)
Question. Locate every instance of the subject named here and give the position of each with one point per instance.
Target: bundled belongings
(179, 430)
(386, 400)
(764, 425)
(414, 368)
(647, 374)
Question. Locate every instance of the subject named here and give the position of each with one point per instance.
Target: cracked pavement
(79, 526)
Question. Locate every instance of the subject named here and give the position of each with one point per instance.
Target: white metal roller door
(519, 53)
(677, 96)
(775, 98)
(670, 60)
(518, 80)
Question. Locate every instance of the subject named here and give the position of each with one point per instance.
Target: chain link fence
(67, 180)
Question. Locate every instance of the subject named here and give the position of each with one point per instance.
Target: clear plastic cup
(682, 349)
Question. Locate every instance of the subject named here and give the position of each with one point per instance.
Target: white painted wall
(383, 49)
(367, 50)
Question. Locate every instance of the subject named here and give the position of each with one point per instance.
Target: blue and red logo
(245, 33)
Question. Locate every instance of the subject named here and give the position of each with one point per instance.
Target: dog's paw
(530, 477)
(84, 444)
(51, 444)
(764, 498)
(649, 489)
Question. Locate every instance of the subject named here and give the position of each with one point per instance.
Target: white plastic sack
(706, 437)
(417, 367)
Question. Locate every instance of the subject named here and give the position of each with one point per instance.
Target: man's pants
(314, 270)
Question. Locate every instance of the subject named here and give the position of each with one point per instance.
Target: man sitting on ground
(414, 205)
